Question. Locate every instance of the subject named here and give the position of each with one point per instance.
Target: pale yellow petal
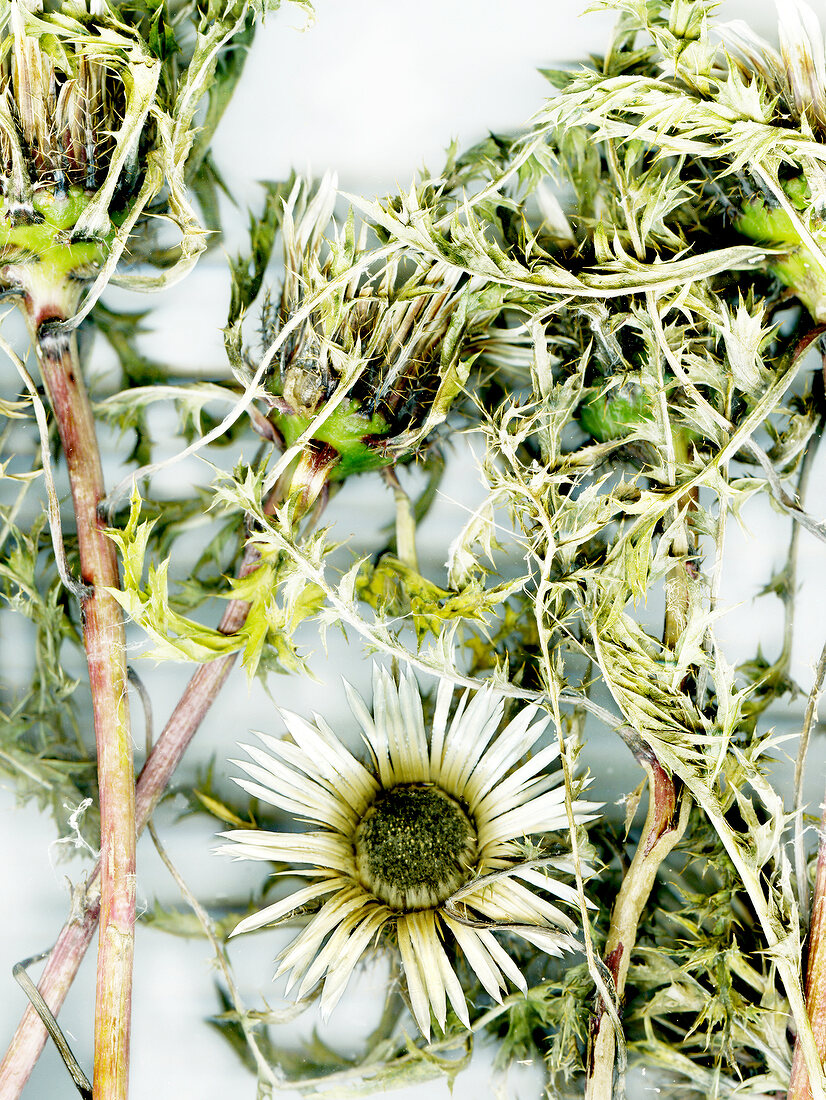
(478, 959)
(468, 736)
(413, 975)
(339, 971)
(506, 751)
(323, 754)
(444, 695)
(271, 914)
(500, 956)
(425, 940)
(307, 802)
(410, 705)
(299, 954)
(327, 851)
(344, 945)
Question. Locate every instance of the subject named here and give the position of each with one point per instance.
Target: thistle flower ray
(480, 958)
(272, 914)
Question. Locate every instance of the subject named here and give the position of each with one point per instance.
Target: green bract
(615, 414)
(40, 257)
(800, 268)
(355, 437)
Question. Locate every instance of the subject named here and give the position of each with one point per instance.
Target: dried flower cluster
(621, 304)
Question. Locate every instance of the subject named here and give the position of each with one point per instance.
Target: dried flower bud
(76, 89)
(788, 212)
(399, 341)
(801, 267)
(92, 129)
(614, 414)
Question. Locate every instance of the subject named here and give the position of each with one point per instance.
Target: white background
(374, 91)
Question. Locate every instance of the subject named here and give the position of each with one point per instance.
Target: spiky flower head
(420, 844)
(393, 345)
(796, 74)
(731, 126)
(789, 211)
(96, 122)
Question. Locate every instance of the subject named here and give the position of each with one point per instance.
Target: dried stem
(664, 826)
(64, 960)
(104, 640)
(77, 933)
(799, 1086)
(265, 1072)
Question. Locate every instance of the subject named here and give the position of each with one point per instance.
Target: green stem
(104, 640)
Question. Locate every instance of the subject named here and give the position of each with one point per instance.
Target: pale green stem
(405, 521)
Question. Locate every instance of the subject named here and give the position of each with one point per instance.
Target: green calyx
(615, 414)
(771, 225)
(355, 437)
(41, 254)
(414, 847)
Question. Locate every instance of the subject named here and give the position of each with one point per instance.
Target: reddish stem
(664, 826)
(104, 639)
(75, 937)
(799, 1087)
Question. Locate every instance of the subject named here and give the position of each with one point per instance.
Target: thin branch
(799, 1088)
(203, 917)
(50, 1023)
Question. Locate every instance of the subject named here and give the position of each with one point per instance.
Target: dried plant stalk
(105, 643)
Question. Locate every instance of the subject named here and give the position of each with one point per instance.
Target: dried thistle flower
(732, 127)
(797, 72)
(794, 80)
(67, 90)
(421, 842)
(96, 122)
(399, 339)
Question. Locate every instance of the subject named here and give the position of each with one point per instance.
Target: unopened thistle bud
(400, 340)
(76, 89)
(788, 211)
(93, 127)
(799, 232)
(614, 414)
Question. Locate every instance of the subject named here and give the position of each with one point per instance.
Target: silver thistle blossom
(421, 843)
